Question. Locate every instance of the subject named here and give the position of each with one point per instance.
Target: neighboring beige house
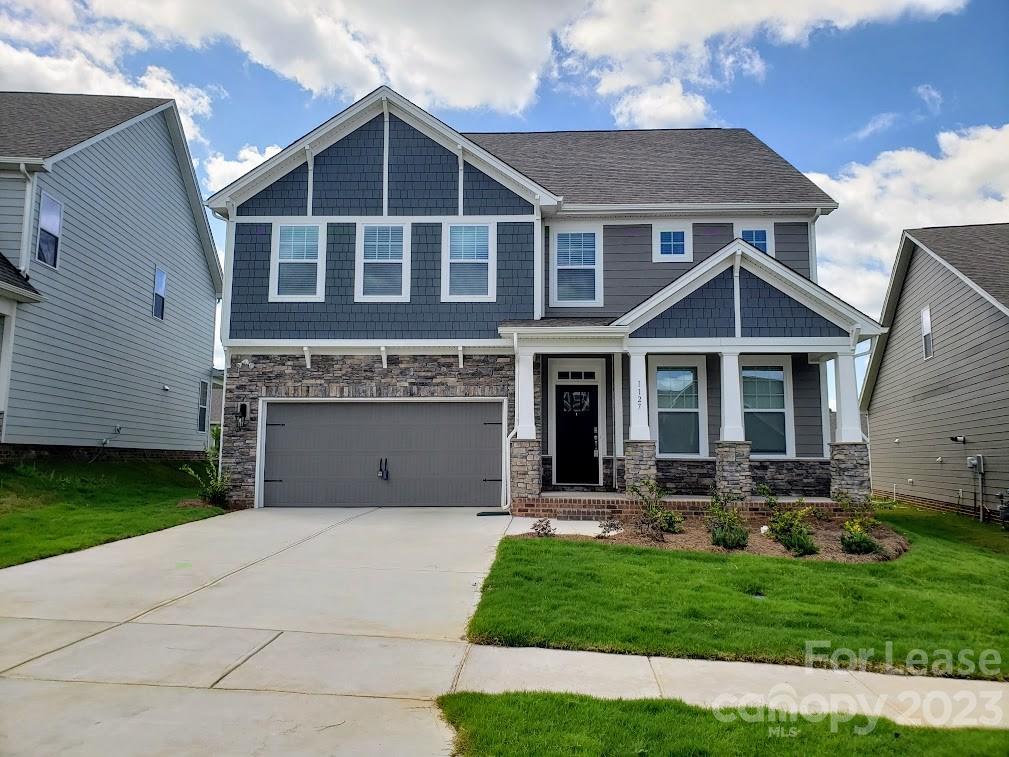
(937, 388)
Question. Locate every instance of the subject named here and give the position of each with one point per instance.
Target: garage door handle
(492, 423)
(492, 479)
(273, 480)
(276, 424)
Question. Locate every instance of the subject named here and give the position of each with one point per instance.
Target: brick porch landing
(599, 505)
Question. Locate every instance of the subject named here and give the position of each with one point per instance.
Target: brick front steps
(596, 506)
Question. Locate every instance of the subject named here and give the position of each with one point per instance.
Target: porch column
(639, 430)
(525, 414)
(849, 425)
(849, 454)
(732, 399)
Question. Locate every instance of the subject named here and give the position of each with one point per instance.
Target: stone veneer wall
(792, 478)
(849, 470)
(639, 462)
(686, 477)
(525, 467)
(733, 476)
(251, 377)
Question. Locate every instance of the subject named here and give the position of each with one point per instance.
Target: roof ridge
(81, 94)
(959, 226)
(609, 131)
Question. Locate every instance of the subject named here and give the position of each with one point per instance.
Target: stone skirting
(792, 478)
(251, 377)
(733, 477)
(686, 477)
(24, 453)
(526, 477)
(639, 462)
(849, 470)
(615, 505)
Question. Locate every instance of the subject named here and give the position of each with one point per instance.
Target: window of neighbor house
(50, 230)
(201, 420)
(160, 287)
(926, 333)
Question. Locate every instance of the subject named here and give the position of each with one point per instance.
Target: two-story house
(415, 316)
(109, 279)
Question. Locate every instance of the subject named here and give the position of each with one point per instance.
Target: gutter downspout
(813, 262)
(26, 217)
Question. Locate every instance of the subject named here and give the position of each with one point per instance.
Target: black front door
(577, 434)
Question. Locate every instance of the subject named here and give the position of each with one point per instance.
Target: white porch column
(732, 399)
(525, 414)
(639, 399)
(849, 425)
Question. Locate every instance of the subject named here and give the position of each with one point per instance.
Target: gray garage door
(327, 454)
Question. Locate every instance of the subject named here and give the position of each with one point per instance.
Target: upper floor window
(672, 244)
(469, 263)
(160, 288)
(298, 264)
(926, 333)
(203, 399)
(759, 238)
(766, 407)
(382, 271)
(576, 270)
(50, 230)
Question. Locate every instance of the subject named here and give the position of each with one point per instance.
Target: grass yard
(949, 592)
(552, 724)
(54, 507)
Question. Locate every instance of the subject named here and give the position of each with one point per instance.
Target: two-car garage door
(330, 454)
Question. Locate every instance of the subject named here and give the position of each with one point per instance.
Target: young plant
(856, 539)
(608, 527)
(725, 523)
(213, 483)
(655, 519)
(788, 528)
(543, 528)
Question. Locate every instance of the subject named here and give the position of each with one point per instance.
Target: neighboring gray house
(937, 387)
(108, 276)
(415, 316)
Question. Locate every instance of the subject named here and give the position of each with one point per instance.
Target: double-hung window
(576, 270)
(671, 244)
(203, 399)
(766, 412)
(298, 269)
(50, 231)
(679, 405)
(383, 263)
(160, 289)
(469, 263)
(926, 333)
(759, 237)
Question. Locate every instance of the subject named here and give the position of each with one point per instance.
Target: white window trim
(697, 362)
(926, 314)
(577, 364)
(785, 363)
(320, 280)
(559, 228)
(154, 292)
(756, 225)
(204, 408)
(359, 295)
(38, 232)
(491, 295)
(688, 243)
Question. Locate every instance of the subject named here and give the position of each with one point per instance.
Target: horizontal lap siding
(962, 390)
(12, 204)
(91, 356)
(807, 410)
(791, 246)
(339, 317)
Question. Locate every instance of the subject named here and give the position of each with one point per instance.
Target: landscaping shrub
(213, 483)
(655, 519)
(543, 528)
(725, 523)
(608, 527)
(788, 525)
(855, 536)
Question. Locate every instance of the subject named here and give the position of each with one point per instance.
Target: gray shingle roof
(981, 253)
(654, 166)
(11, 276)
(41, 124)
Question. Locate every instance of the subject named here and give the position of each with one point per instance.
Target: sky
(899, 109)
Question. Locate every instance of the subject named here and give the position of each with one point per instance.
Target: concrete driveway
(264, 631)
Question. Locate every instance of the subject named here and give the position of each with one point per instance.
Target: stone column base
(849, 470)
(733, 477)
(526, 477)
(639, 462)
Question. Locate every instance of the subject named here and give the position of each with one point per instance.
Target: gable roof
(675, 166)
(977, 254)
(40, 125)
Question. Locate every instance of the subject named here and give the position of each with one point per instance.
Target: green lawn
(54, 507)
(563, 724)
(949, 592)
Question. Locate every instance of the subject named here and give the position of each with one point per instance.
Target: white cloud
(879, 122)
(221, 171)
(966, 182)
(931, 96)
(660, 106)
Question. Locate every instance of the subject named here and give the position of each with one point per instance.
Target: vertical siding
(791, 246)
(808, 415)
(12, 203)
(91, 356)
(962, 390)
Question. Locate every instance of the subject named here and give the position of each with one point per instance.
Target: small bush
(725, 523)
(213, 483)
(655, 519)
(856, 539)
(608, 527)
(788, 528)
(543, 528)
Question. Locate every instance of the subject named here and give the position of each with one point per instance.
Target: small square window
(671, 244)
(756, 237)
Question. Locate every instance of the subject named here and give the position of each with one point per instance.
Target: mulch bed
(695, 538)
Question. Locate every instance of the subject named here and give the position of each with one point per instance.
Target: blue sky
(897, 108)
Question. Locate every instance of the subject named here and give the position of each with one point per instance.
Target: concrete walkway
(331, 631)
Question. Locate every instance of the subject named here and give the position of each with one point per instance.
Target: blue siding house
(416, 316)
